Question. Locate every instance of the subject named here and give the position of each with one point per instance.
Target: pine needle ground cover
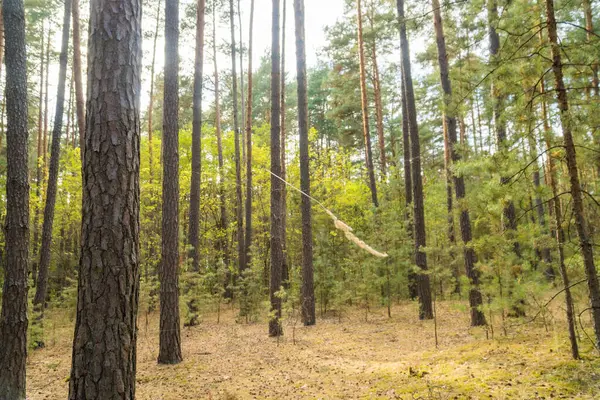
(344, 357)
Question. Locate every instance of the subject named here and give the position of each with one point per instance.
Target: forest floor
(343, 358)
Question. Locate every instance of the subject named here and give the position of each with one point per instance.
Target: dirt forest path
(347, 359)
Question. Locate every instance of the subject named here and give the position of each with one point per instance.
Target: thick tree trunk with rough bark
(275, 328)
(194, 229)
(308, 290)
(13, 319)
(42, 278)
(585, 241)
(239, 205)
(104, 345)
(79, 99)
(170, 334)
(475, 298)
(423, 285)
(365, 108)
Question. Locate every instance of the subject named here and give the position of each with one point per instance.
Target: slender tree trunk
(170, 335)
(38, 164)
(80, 102)
(151, 102)
(475, 298)
(223, 243)
(42, 278)
(13, 319)
(509, 213)
(285, 276)
(378, 104)
(365, 110)
(248, 208)
(275, 328)
(109, 273)
(408, 194)
(589, 27)
(242, 88)
(450, 202)
(46, 110)
(585, 241)
(308, 290)
(69, 112)
(239, 205)
(423, 286)
(194, 230)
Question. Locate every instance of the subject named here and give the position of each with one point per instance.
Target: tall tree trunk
(450, 201)
(559, 232)
(151, 102)
(423, 286)
(378, 102)
(408, 194)
(275, 328)
(242, 88)
(108, 289)
(239, 205)
(285, 275)
(42, 278)
(585, 241)
(364, 107)
(589, 27)
(38, 163)
(46, 109)
(223, 243)
(475, 298)
(194, 230)
(248, 208)
(509, 213)
(308, 290)
(13, 319)
(69, 112)
(80, 102)
(170, 335)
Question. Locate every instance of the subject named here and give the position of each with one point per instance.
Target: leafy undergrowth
(343, 358)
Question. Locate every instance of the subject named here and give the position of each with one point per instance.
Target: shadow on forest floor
(349, 359)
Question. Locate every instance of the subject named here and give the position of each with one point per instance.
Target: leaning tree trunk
(475, 298)
(104, 346)
(170, 335)
(79, 99)
(275, 328)
(364, 108)
(42, 278)
(308, 290)
(239, 205)
(194, 230)
(423, 286)
(509, 213)
(585, 241)
(13, 319)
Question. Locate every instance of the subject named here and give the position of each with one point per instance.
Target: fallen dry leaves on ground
(345, 358)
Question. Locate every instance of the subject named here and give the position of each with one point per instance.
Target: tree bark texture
(170, 335)
(13, 318)
(42, 278)
(104, 345)
(470, 258)
(194, 230)
(275, 328)
(423, 285)
(585, 241)
(308, 290)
